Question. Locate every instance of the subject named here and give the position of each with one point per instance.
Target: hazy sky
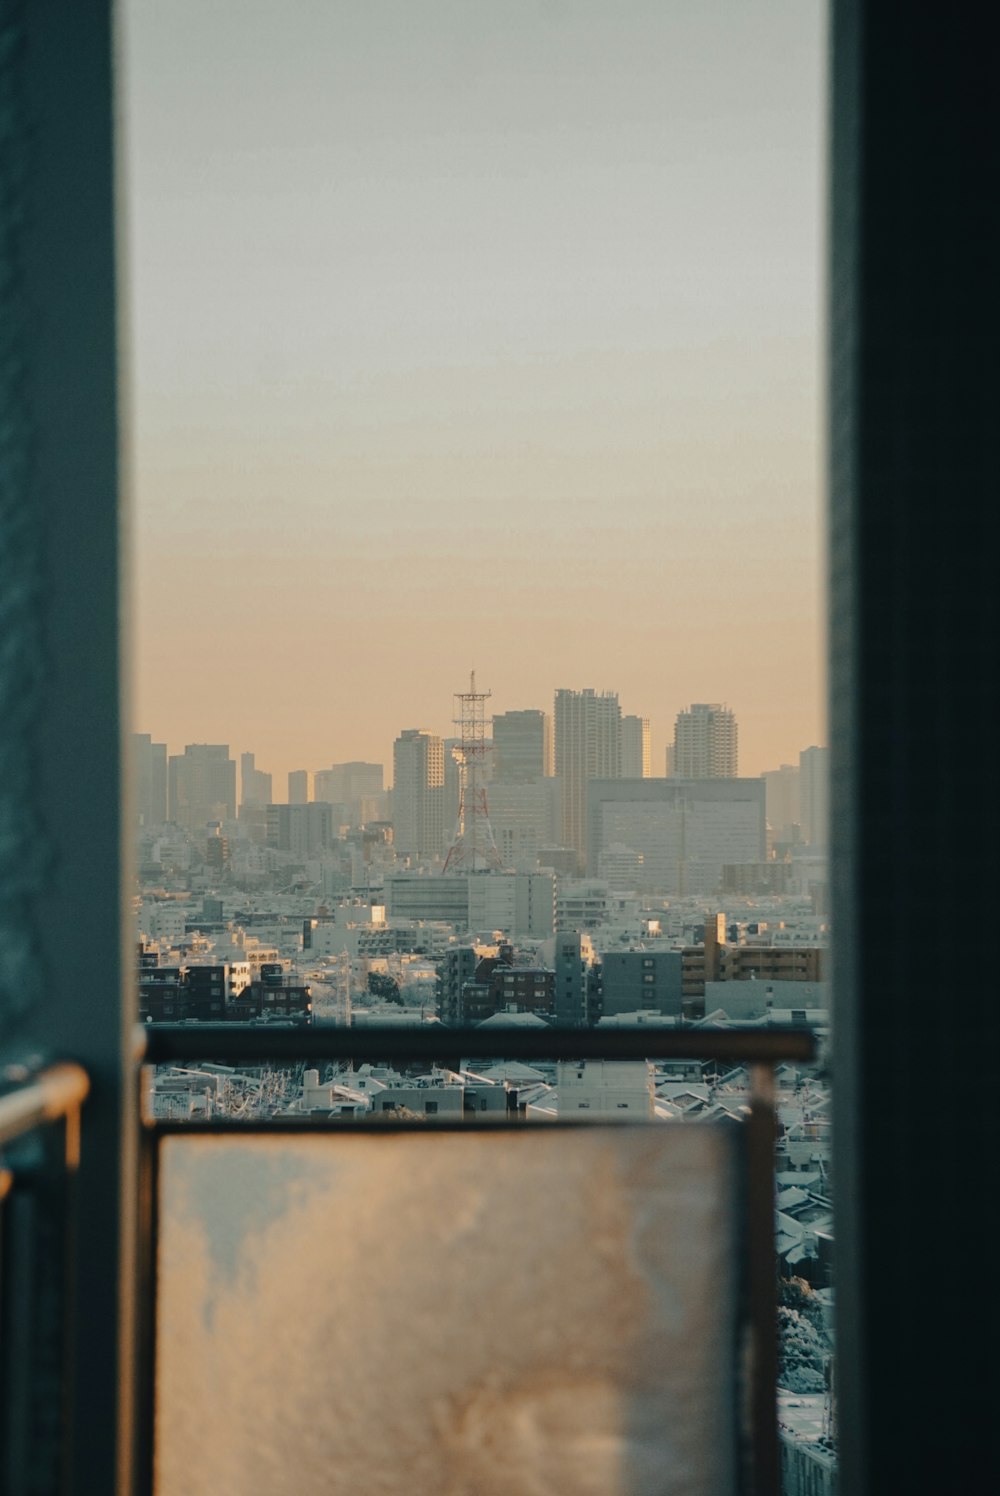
(469, 333)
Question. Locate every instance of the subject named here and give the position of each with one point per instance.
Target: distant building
(209, 993)
(637, 753)
(522, 747)
(768, 878)
(300, 787)
(526, 816)
(577, 980)
(716, 961)
(642, 980)
(202, 785)
(520, 904)
(149, 761)
(605, 1089)
(350, 781)
(418, 794)
(685, 830)
(783, 801)
(255, 786)
(355, 790)
(304, 830)
(814, 778)
(456, 967)
(472, 988)
(581, 904)
(746, 999)
(587, 746)
(705, 743)
(217, 851)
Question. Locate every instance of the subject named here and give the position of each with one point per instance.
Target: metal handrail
(47, 1096)
(222, 1042)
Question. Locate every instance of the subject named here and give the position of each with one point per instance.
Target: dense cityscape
(530, 870)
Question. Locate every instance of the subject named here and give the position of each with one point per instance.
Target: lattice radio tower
(473, 849)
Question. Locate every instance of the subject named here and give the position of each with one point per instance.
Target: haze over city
(407, 401)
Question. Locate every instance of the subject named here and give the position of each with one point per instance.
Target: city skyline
(487, 342)
(441, 727)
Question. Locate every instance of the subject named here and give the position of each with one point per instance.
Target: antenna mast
(473, 849)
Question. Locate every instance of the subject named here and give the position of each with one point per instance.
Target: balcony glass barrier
(534, 1309)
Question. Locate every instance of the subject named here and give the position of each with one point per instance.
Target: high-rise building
(355, 790)
(345, 783)
(522, 746)
(588, 746)
(814, 776)
(781, 791)
(418, 794)
(300, 787)
(705, 743)
(637, 756)
(452, 791)
(255, 784)
(150, 779)
(304, 830)
(525, 816)
(202, 785)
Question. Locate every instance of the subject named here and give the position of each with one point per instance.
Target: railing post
(762, 1271)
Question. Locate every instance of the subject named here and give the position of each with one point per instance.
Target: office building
(782, 799)
(526, 816)
(522, 747)
(587, 746)
(255, 785)
(705, 743)
(418, 795)
(814, 778)
(522, 905)
(300, 787)
(344, 783)
(202, 785)
(685, 830)
(637, 756)
(303, 830)
(149, 761)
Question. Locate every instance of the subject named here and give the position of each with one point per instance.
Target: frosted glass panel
(538, 1310)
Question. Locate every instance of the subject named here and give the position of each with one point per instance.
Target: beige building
(705, 743)
(588, 746)
(418, 794)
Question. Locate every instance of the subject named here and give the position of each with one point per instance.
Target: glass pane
(535, 1311)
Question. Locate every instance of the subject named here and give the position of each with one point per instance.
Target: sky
(463, 335)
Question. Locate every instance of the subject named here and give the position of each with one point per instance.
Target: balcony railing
(39, 1153)
(209, 1281)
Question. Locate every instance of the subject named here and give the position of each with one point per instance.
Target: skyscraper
(150, 776)
(356, 780)
(300, 787)
(522, 746)
(418, 794)
(705, 743)
(781, 787)
(814, 772)
(637, 756)
(588, 729)
(202, 785)
(255, 784)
